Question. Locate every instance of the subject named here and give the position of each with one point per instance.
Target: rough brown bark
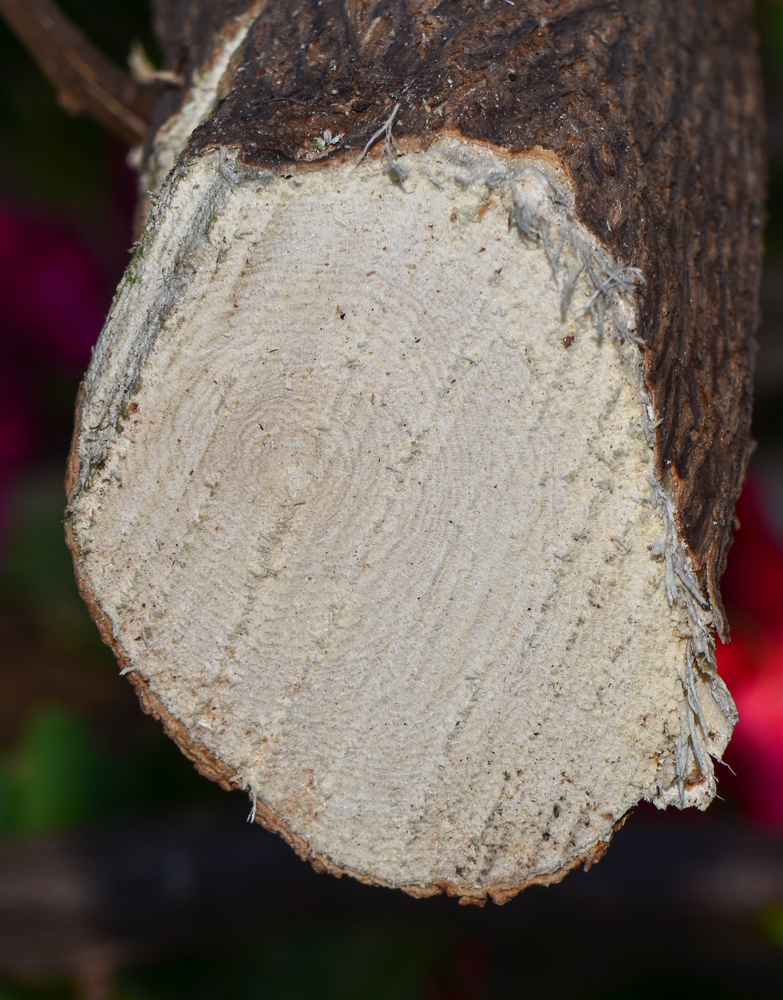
(654, 107)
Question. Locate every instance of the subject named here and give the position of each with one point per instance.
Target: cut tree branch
(405, 467)
(86, 81)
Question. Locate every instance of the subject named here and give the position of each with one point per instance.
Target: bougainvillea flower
(752, 665)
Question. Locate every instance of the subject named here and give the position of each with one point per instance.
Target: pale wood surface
(366, 500)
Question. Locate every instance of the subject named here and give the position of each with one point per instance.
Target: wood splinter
(405, 467)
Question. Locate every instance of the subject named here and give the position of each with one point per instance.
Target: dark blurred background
(125, 875)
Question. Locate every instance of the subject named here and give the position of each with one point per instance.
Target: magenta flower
(752, 665)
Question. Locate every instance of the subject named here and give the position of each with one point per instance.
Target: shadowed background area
(124, 874)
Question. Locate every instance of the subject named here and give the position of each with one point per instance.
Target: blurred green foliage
(769, 24)
(36, 570)
(57, 777)
(381, 962)
(770, 924)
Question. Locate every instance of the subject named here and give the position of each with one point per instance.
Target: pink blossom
(752, 665)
